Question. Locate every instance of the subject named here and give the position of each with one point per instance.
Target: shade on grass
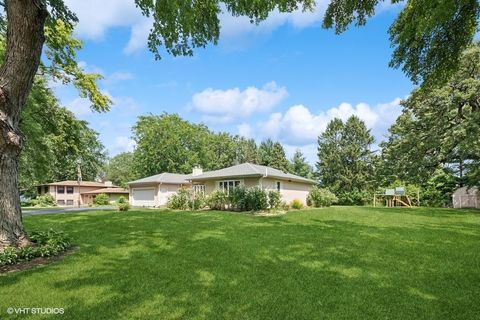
(336, 263)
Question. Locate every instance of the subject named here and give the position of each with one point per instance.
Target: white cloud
(124, 144)
(226, 105)
(298, 126)
(138, 36)
(118, 76)
(95, 17)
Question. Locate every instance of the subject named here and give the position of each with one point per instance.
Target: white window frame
(199, 188)
(222, 183)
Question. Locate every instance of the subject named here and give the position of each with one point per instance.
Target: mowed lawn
(335, 263)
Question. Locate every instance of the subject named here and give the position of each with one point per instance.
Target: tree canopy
(54, 139)
(439, 128)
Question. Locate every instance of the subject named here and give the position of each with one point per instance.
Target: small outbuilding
(466, 197)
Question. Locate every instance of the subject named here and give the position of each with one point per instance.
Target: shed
(466, 197)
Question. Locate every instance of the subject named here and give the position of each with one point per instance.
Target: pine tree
(345, 161)
(300, 166)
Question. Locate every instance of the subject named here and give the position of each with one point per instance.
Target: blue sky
(284, 79)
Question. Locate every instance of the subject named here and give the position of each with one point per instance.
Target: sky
(284, 79)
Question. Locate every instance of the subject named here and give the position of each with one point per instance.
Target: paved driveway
(40, 211)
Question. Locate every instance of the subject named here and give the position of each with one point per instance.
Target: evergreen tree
(273, 155)
(345, 162)
(300, 166)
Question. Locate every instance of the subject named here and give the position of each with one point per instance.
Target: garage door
(143, 197)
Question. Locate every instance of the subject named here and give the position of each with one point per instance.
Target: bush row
(45, 244)
(239, 199)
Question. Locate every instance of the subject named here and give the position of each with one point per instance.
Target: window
(228, 185)
(69, 202)
(278, 186)
(61, 202)
(70, 190)
(60, 189)
(199, 189)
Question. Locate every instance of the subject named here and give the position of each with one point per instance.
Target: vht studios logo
(39, 311)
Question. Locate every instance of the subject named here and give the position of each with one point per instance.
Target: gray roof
(249, 170)
(165, 177)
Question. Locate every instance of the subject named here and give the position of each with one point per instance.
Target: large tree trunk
(25, 24)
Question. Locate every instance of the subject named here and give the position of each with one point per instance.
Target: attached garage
(143, 197)
(154, 191)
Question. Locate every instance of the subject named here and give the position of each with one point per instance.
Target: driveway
(63, 210)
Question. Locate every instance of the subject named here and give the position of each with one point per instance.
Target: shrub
(179, 200)
(218, 200)
(186, 199)
(256, 199)
(319, 197)
(101, 199)
(45, 200)
(197, 201)
(46, 244)
(238, 198)
(274, 199)
(296, 204)
(285, 206)
(122, 204)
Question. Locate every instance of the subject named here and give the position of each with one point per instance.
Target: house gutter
(264, 176)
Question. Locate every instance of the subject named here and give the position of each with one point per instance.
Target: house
(154, 191)
(113, 193)
(466, 197)
(74, 193)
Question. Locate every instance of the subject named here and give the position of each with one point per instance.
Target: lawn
(336, 263)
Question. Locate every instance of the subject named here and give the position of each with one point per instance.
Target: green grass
(336, 263)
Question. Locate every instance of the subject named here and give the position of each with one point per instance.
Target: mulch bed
(34, 263)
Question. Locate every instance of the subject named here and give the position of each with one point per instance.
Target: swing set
(396, 197)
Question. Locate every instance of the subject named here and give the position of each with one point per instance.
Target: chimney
(108, 184)
(197, 170)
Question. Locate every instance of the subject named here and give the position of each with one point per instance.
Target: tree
(345, 162)
(224, 151)
(167, 143)
(437, 133)
(273, 155)
(120, 169)
(247, 150)
(300, 166)
(53, 142)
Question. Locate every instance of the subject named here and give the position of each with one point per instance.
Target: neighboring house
(154, 191)
(113, 194)
(466, 197)
(74, 193)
